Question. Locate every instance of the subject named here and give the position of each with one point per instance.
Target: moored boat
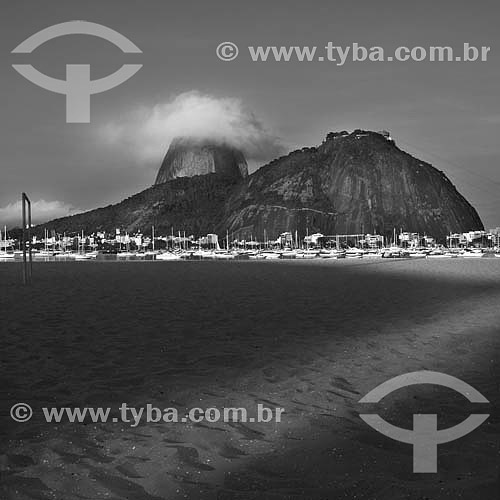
(417, 255)
(354, 253)
(331, 254)
(307, 254)
(473, 254)
(168, 256)
(372, 255)
(85, 256)
(124, 255)
(42, 254)
(270, 255)
(288, 254)
(223, 255)
(391, 253)
(256, 256)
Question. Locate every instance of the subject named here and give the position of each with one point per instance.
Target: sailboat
(153, 253)
(127, 253)
(82, 255)
(168, 256)
(44, 254)
(3, 253)
(474, 253)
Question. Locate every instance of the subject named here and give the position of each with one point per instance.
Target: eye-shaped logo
(78, 87)
(425, 435)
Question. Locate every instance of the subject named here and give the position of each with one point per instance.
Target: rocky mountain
(352, 183)
(196, 205)
(187, 157)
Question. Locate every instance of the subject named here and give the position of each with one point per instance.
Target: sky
(446, 113)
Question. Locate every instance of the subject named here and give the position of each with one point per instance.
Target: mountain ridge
(358, 182)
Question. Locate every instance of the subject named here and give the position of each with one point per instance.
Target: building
(285, 239)
(210, 241)
(372, 241)
(409, 240)
(313, 239)
(470, 239)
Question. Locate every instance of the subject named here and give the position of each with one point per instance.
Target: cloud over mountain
(147, 132)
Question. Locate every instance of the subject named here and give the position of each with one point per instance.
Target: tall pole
(29, 238)
(25, 271)
(26, 238)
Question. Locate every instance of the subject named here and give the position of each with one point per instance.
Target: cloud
(147, 132)
(41, 210)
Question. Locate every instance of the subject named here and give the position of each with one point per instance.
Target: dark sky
(447, 113)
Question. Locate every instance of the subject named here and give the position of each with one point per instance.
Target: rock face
(352, 183)
(188, 157)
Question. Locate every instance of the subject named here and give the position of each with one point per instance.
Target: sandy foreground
(310, 337)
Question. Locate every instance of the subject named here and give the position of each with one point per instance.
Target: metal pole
(29, 240)
(26, 239)
(25, 276)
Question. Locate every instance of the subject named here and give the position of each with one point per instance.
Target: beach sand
(310, 337)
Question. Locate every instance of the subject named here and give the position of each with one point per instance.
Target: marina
(272, 255)
(125, 247)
